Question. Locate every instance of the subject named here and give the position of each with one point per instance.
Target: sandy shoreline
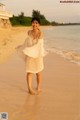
(60, 96)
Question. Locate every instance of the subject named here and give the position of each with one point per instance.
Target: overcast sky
(52, 9)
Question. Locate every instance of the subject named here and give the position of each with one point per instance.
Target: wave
(70, 55)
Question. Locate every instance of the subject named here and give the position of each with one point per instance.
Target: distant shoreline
(67, 24)
(49, 25)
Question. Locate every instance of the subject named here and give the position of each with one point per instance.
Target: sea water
(64, 40)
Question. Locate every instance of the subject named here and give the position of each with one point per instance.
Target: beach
(60, 96)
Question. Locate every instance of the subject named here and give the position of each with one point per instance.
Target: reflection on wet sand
(30, 108)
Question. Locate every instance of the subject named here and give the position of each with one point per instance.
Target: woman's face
(35, 25)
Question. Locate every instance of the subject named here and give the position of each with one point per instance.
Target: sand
(60, 96)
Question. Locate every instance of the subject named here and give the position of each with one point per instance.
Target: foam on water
(65, 41)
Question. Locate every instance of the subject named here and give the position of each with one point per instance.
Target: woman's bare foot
(38, 90)
(32, 92)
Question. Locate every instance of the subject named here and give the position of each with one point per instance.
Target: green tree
(36, 13)
(21, 15)
(54, 23)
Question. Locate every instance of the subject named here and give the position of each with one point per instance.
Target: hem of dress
(35, 72)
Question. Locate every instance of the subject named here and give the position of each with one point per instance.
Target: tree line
(23, 20)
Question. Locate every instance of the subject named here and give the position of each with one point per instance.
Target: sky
(53, 10)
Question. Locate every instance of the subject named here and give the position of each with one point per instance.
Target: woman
(33, 51)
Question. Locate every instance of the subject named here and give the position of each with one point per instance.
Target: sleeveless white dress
(32, 51)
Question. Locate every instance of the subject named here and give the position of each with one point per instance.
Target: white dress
(32, 51)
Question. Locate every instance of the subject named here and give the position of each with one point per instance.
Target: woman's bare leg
(29, 82)
(39, 77)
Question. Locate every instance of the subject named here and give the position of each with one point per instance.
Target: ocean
(64, 40)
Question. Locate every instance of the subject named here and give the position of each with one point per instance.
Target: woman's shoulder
(29, 32)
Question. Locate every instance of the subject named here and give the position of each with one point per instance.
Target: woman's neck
(35, 33)
(35, 30)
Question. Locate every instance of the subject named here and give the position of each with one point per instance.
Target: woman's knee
(39, 73)
(28, 73)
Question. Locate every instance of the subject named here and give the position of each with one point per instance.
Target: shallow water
(64, 40)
